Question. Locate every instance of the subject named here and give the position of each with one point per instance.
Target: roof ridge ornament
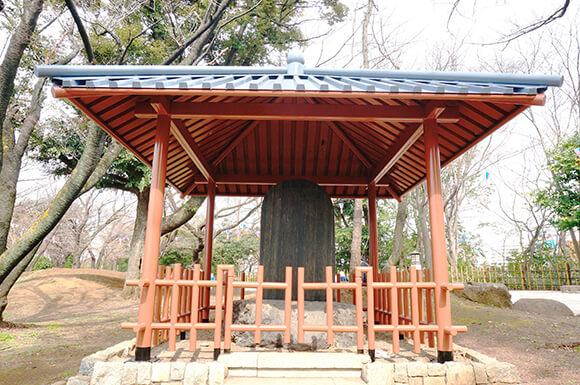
(295, 62)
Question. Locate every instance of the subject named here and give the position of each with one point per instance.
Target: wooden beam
(184, 138)
(349, 143)
(403, 142)
(76, 92)
(390, 186)
(161, 104)
(234, 143)
(272, 180)
(312, 112)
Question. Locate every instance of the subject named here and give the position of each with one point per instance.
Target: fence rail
(520, 276)
(402, 303)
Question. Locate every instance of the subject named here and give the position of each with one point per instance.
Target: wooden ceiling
(248, 141)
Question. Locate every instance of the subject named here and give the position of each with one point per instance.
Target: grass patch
(6, 338)
(67, 373)
(53, 326)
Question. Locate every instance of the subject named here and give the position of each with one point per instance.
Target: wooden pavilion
(236, 131)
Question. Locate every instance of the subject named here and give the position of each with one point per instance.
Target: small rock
(415, 380)
(417, 369)
(87, 366)
(480, 374)
(217, 373)
(401, 372)
(439, 380)
(107, 373)
(78, 380)
(459, 374)
(195, 374)
(378, 373)
(177, 370)
(435, 369)
(160, 371)
(143, 373)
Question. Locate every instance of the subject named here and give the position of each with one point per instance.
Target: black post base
(205, 320)
(372, 354)
(142, 354)
(227, 350)
(401, 337)
(360, 351)
(182, 336)
(443, 357)
(216, 353)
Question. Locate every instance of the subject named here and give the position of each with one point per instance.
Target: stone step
(293, 381)
(294, 365)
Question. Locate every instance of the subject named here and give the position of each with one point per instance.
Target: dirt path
(73, 313)
(69, 314)
(544, 348)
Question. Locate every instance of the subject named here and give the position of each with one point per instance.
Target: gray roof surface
(295, 77)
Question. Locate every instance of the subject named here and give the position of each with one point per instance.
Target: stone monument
(297, 229)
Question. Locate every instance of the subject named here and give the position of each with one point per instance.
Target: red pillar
(208, 245)
(373, 238)
(440, 273)
(152, 238)
(373, 232)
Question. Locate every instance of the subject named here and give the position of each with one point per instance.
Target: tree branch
(210, 20)
(82, 31)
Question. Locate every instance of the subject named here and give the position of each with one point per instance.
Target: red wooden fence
(402, 303)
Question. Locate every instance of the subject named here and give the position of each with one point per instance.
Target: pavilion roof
(248, 128)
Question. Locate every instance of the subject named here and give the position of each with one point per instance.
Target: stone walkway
(572, 300)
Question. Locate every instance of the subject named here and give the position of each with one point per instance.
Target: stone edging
(109, 367)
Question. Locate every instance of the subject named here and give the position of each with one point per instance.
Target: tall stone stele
(297, 229)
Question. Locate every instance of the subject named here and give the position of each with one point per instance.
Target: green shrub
(68, 261)
(122, 264)
(43, 263)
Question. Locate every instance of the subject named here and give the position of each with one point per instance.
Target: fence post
(288, 305)
(300, 297)
(243, 289)
(522, 277)
(357, 299)
(175, 300)
(568, 274)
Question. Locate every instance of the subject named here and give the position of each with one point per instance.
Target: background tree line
(75, 223)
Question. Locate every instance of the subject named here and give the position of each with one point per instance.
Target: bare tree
(19, 41)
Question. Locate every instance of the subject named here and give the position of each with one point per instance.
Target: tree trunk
(355, 246)
(398, 232)
(423, 228)
(8, 180)
(137, 242)
(453, 236)
(9, 281)
(58, 207)
(19, 41)
(575, 243)
(15, 259)
(39, 253)
(14, 149)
